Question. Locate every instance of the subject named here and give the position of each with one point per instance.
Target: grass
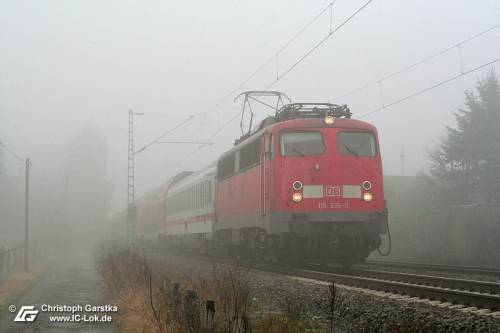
(163, 301)
(17, 284)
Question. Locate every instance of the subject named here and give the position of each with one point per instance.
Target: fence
(11, 260)
(194, 314)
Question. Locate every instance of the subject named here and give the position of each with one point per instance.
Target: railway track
(451, 290)
(457, 269)
(480, 294)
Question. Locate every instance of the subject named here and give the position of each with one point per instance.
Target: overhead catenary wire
(331, 32)
(14, 155)
(309, 52)
(420, 62)
(163, 135)
(432, 87)
(274, 56)
(317, 45)
(254, 73)
(157, 114)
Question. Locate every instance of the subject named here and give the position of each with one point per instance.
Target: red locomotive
(306, 184)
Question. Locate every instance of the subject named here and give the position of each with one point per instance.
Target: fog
(68, 66)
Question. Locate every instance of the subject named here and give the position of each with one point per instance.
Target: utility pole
(131, 209)
(26, 213)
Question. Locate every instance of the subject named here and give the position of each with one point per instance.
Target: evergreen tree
(466, 164)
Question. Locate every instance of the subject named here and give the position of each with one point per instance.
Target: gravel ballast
(355, 310)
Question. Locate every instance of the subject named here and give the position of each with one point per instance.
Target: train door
(265, 173)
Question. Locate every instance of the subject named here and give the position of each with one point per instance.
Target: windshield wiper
(350, 150)
(298, 151)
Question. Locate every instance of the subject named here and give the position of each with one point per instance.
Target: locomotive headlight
(297, 197)
(366, 185)
(329, 120)
(367, 197)
(297, 185)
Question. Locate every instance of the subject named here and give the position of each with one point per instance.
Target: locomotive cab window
(301, 143)
(359, 144)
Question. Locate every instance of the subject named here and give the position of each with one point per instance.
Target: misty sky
(65, 64)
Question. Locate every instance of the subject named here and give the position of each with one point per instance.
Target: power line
(308, 53)
(275, 55)
(14, 155)
(252, 75)
(221, 128)
(163, 135)
(153, 114)
(279, 77)
(453, 78)
(187, 142)
(415, 64)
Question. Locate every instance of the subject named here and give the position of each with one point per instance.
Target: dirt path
(72, 281)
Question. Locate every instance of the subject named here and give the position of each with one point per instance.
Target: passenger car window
(356, 144)
(301, 143)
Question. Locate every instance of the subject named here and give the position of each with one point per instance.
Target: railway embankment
(165, 287)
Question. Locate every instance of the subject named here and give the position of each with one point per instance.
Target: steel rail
(413, 289)
(430, 280)
(413, 285)
(435, 267)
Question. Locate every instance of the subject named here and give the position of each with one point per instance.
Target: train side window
(195, 195)
(202, 194)
(191, 198)
(207, 193)
(210, 192)
(237, 161)
(271, 147)
(199, 195)
(184, 201)
(225, 167)
(207, 189)
(250, 155)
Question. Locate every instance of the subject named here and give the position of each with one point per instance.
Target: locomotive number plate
(333, 205)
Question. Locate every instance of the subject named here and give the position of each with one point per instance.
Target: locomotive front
(327, 188)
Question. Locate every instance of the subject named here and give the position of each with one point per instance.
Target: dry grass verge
(16, 284)
(171, 301)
